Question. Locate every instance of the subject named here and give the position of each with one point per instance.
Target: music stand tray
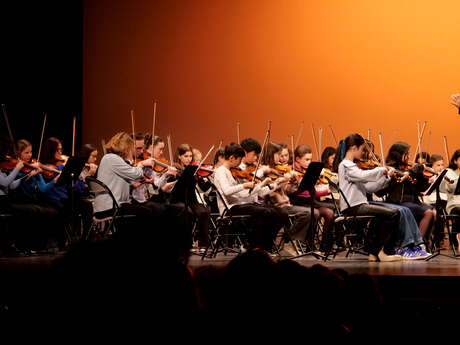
(71, 170)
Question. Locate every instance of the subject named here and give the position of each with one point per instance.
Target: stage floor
(440, 266)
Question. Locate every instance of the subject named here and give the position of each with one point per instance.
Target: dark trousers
(385, 227)
(455, 222)
(202, 216)
(264, 223)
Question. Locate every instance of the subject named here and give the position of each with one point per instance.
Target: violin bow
(170, 150)
(369, 134)
(153, 125)
(8, 124)
(134, 135)
(446, 148)
(262, 151)
(381, 150)
(103, 146)
(320, 137)
(333, 135)
(374, 157)
(73, 135)
(41, 139)
(238, 131)
(292, 145)
(419, 141)
(428, 142)
(299, 135)
(220, 144)
(314, 141)
(205, 157)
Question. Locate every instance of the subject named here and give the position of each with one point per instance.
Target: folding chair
(355, 228)
(446, 221)
(229, 230)
(105, 225)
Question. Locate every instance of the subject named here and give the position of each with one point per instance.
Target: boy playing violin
(241, 198)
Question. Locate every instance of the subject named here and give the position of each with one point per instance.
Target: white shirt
(355, 183)
(452, 200)
(233, 192)
(117, 175)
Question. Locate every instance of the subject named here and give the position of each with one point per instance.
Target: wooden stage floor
(440, 266)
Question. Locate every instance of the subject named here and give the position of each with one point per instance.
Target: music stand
(69, 175)
(308, 183)
(439, 208)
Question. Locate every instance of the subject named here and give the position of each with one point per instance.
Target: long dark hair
(85, 151)
(455, 156)
(268, 158)
(344, 145)
(49, 149)
(396, 153)
(328, 151)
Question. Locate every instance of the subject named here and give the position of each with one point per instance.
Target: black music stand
(439, 209)
(308, 183)
(69, 175)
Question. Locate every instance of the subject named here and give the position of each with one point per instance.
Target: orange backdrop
(351, 64)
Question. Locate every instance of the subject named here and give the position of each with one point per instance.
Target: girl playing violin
(355, 183)
(279, 198)
(406, 192)
(242, 199)
(302, 159)
(183, 157)
(33, 195)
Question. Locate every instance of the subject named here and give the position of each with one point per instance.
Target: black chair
(230, 231)
(104, 225)
(354, 228)
(445, 223)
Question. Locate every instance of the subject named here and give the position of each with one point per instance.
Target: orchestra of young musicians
(259, 181)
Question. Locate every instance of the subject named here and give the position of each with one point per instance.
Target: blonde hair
(120, 144)
(20, 146)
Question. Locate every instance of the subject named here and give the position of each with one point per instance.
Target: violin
(244, 175)
(283, 169)
(204, 170)
(9, 163)
(366, 164)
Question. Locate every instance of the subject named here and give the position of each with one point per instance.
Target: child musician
(279, 198)
(241, 198)
(302, 160)
(183, 157)
(407, 191)
(355, 183)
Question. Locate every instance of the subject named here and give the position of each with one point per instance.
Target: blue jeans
(409, 233)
